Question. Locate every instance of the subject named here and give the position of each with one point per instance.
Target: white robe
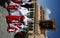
(26, 2)
(27, 20)
(24, 11)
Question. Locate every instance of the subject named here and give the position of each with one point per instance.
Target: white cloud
(47, 14)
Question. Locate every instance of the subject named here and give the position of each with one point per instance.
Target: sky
(54, 6)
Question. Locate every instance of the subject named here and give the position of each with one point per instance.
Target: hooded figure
(26, 2)
(22, 2)
(17, 10)
(17, 1)
(13, 9)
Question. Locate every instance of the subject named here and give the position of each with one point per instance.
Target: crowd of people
(17, 19)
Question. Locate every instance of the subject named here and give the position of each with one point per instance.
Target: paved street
(3, 24)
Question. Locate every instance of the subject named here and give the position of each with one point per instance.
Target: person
(13, 7)
(28, 20)
(17, 1)
(16, 9)
(24, 11)
(22, 2)
(26, 2)
(17, 27)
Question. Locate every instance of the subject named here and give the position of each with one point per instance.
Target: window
(46, 25)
